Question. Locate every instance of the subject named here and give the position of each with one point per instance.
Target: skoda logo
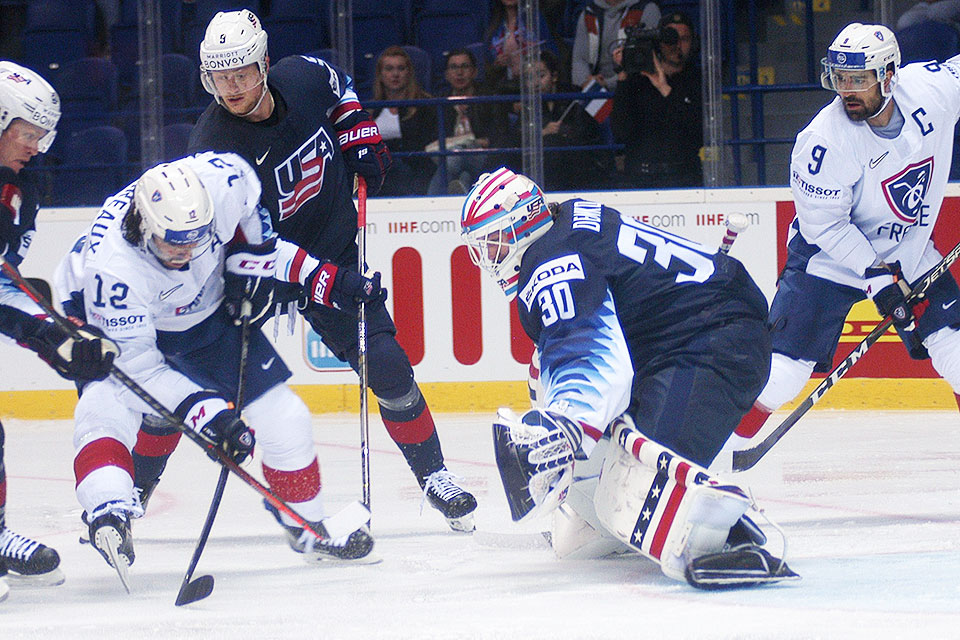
(842, 58)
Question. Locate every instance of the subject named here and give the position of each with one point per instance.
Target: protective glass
(233, 82)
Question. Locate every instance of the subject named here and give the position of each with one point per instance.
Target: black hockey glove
(364, 151)
(87, 355)
(889, 291)
(343, 288)
(216, 421)
(249, 275)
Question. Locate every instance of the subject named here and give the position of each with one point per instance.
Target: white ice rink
(870, 503)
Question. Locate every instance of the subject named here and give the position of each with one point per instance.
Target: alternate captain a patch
(906, 190)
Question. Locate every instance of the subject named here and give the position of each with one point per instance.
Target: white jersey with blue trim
(861, 197)
(130, 296)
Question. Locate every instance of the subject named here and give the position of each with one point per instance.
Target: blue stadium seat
(377, 24)
(175, 138)
(206, 9)
(181, 77)
(57, 31)
(292, 35)
(88, 93)
(422, 66)
(928, 41)
(442, 25)
(327, 55)
(95, 166)
(479, 51)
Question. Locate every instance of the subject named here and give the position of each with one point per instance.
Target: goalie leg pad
(535, 463)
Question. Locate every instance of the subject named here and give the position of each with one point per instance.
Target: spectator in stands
(466, 126)
(658, 115)
(507, 36)
(406, 128)
(601, 28)
(565, 123)
(943, 11)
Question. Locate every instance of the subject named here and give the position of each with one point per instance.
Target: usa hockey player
(302, 128)
(151, 274)
(29, 112)
(868, 176)
(633, 326)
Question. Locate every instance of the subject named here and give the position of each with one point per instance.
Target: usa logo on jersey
(906, 190)
(300, 176)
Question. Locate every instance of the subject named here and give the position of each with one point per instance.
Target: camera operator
(657, 106)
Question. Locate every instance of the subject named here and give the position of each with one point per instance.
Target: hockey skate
(343, 539)
(110, 535)
(444, 495)
(29, 560)
(4, 589)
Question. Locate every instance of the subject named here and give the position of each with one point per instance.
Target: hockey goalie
(650, 348)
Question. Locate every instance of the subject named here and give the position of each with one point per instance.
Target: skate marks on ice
(870, 503)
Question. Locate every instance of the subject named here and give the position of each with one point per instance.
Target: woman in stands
(407, 128)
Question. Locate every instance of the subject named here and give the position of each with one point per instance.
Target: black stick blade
(195, 590)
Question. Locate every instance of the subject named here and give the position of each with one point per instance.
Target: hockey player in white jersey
(151, 272)
(868, 176)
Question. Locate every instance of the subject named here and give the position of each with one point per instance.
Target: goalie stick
(747, 458)
(221, 456)
(193, 590)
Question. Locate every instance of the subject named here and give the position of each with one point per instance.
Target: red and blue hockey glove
(364, 151)
(343, 288)
(216, 421)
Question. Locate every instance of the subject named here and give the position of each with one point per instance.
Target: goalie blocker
(651, 499)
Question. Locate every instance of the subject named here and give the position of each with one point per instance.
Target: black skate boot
(4, 589)
(110, 535)
(28, 559)
(444, 495)
(353, 547)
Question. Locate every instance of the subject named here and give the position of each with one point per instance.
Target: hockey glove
(343, 288)
(364, 151)
(215, 420)
(249, 276)
(886, 286)
(87, 355)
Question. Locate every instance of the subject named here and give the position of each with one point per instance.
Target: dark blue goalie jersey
(603, 296)
(306, 185)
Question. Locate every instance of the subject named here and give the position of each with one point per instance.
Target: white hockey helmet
(233, 39)
(502, 215)
(175, 208)
(25, 94)
(861, 47)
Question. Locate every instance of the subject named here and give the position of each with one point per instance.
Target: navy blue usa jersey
(306, 185)
(604, 296)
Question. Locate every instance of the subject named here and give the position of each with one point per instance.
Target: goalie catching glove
(249, 275)
(535, 457)
(216, 421)
(84, 355)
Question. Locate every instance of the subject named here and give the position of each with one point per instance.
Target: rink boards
(465, 343)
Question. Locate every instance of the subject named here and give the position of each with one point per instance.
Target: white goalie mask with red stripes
(503, 214)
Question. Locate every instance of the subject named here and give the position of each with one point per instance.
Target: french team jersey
(861, 197)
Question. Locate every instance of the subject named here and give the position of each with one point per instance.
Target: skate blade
(326, 560)
(49, 579)
(463, 524)
(4, 589)
(108, 540)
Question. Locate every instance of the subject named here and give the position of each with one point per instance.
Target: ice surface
(870, 502)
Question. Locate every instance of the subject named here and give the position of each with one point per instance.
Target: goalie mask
(234, 40)
(176, 214)
(860, 57)
(26, 95)
(503, 214)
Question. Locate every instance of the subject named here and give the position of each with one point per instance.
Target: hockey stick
(212, 450)
(193, 590)
(747, 458)
(362, 344)
(736, 223)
